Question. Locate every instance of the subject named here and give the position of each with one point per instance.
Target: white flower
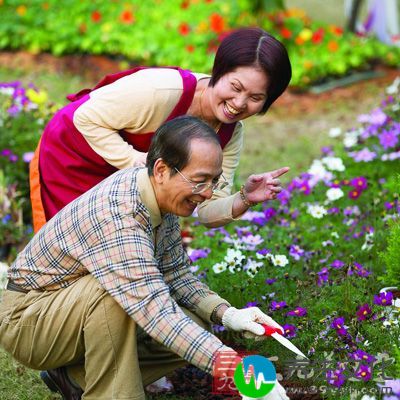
(318, 173)
(3, 275)
(334, 132)
(366, 397)
(234, 257)
(317, 211)
(350, 138)
(394, 87)
(334, 193)
(334, 163)
(219, 267)
(335, 235)
(369, 241)
(253, 267)
(280, 260)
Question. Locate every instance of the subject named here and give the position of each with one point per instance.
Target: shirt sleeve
(218, 210)
(124, 263)
(186, 288)
(138, 103)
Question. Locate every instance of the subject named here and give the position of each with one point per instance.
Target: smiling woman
(111, 126)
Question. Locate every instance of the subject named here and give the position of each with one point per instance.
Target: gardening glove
(277, 393)
(247, 319)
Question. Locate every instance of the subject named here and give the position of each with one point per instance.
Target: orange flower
(82, 28)
(299, 40)
(21, 10)
(217, 23)
(185, 4)
(333, 46)
(286, 33)
(190, 48)
(184, 29)
(96, 16)
(45, 6)
(127, 17)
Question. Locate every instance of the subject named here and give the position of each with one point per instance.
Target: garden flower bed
(145, 33)
(317, 258)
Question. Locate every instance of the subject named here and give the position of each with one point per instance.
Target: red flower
(318, 36)
(82, 28)
(286, 33)
(96, 16)
(217, 23)
(190, 48)
(185, 4)
(184, 29)
(354, 194)
(337, 30)
(127, 17)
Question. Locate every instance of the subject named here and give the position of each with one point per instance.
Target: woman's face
(239, 94)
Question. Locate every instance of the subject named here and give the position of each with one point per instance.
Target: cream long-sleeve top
(139, 103)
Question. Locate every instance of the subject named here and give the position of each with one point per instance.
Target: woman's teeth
(231, 110)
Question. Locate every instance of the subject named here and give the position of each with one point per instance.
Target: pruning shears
(277, 335)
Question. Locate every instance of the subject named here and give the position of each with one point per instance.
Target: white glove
(277, 393)
(247, 319)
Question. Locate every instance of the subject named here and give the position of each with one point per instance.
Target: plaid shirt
(116, 233)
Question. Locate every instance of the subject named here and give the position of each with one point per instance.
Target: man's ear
(160, 171)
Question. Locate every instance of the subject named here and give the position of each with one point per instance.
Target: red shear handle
(269, 330)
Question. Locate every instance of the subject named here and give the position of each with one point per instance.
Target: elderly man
(103, 297)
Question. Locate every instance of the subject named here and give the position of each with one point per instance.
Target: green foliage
(184, 33)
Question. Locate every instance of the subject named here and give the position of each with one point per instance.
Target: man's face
(204, 166)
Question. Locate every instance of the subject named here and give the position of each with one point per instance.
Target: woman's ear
(160, 170)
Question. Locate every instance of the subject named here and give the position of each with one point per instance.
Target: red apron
(65, 166)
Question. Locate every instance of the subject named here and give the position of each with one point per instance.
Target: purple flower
(364, 155)
(323, 276)
(269, 213)
(377, 117)
(296, 252)
(270, 281)
(297, 312)
(27, 157)
(359, 183)
(277, 305)
(336, 377)
(252, 304)
(364, 312)
(13, 158)
(361, 355)
(14, 110)
(196, 254)
(364, 372)
(338, 324)
(337, 264)
(218, 328)
(388, 139)
(289, 331)
(384, 299)
(334, 210)
(354, 194)
(5, 152)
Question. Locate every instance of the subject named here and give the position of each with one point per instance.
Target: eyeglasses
(198, 188)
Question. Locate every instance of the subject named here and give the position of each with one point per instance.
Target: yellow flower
(21, 10)
(306, 34)
(36, 97)
(202, 27)
(106, 27)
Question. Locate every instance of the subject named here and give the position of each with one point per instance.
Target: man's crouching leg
(81, 327)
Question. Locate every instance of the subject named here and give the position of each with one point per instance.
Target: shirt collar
(148, 197)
